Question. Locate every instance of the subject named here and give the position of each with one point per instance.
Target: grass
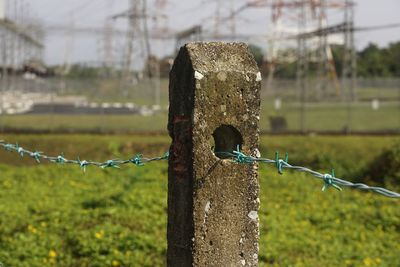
(59, 216)
(323, 116)
(318, 117)
(123, 123)
(381, 93)
(335, 117)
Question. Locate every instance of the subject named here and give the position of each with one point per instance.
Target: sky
(182, 14)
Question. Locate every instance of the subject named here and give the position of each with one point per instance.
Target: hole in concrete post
(226, 139)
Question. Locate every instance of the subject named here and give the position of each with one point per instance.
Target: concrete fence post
(213, 202)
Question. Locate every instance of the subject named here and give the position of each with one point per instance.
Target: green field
(318, 117)
(331, 114)
(56, 215)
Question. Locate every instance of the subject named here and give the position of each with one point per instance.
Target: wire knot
(110, 164)
(241, 157)
(19, 150)
(60, 159)
(280, 163)
(329, 181)
(165, 156)
(36, 155)
(8, 147)
(83, 164)
(137, 160)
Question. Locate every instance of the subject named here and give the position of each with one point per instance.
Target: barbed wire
(237, 156)
(329, 178)
(137, 159)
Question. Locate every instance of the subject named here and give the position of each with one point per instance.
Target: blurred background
(102, 65)
(88, 80)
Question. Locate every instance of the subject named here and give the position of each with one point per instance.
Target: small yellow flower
(115, 263)
(99, 235)
(52, 254)
(32, 229)
(368, 262)
(7, 184)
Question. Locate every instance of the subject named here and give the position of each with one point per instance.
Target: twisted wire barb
(237, 156)
(137, 160)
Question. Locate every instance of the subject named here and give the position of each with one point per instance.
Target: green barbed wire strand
(137, 160)
(237, 156)
(329, 179)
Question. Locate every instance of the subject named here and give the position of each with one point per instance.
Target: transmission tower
(287, 17)
(138, 48)
(108, 42)
(224, 18)
(307, 21)
(4, 72)
(69, 46)
(322, 59)
(217, 18)
(302, 62)
(349, 55)
(160, 18)
(349, 61)
(154, 65)
(136, 43)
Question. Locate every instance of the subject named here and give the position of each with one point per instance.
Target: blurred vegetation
(81, 71)
(384, 169)
(372, 62)
(379, 62)
(56, 215)
(258, 54)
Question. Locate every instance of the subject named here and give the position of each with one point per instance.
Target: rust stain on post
(212, 202)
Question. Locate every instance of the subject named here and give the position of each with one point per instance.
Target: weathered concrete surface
(213, 203)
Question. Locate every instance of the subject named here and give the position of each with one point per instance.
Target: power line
(75, 10)
(94, 9)
(378, 27)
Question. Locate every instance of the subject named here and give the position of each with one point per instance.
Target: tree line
(372, 61)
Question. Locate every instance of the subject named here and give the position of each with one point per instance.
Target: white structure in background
(21, 37)
(17, 102)
(375, 104)
(278, 103)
